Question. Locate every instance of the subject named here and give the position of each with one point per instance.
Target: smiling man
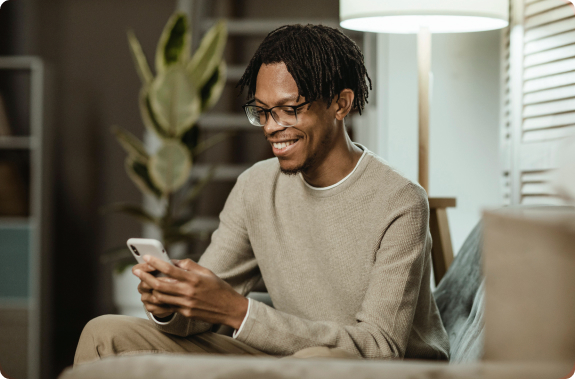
(340, 238)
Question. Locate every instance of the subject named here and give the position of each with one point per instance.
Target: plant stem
(167, 221)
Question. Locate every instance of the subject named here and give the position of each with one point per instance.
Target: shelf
(264, 26)
(223, 172)
(21, 63)
(15, 222)
(16, 143)
(14, 303)
(229, 121)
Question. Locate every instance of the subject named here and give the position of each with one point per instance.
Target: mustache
(281, 135)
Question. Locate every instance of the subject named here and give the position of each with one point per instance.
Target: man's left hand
(196, 292)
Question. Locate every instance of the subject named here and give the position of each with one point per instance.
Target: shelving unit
(21, 236)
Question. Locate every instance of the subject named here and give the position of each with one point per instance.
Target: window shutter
(540, 97)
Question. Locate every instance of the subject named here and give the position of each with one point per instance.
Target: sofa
(461, 297)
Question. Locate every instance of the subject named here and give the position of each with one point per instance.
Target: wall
(95, 86)
(464, 118)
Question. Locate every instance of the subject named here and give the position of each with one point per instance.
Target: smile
(283, 145)
(284, 148)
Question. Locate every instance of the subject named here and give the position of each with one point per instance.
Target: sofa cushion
(219, 367)
(460, 298)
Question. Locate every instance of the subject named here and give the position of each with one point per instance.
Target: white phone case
(147, 246)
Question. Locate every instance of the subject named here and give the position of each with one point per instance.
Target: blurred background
(60, 164)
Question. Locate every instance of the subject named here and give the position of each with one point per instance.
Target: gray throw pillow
(460, 298)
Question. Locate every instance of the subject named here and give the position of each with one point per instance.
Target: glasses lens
(256, 115)
(285, 116)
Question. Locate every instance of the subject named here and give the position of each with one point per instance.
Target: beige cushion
(212, 367)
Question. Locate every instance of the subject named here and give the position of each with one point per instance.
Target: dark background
(92, 85)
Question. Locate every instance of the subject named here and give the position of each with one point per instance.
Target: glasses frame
(269, 111)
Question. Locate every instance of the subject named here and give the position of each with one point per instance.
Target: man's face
(304, 145)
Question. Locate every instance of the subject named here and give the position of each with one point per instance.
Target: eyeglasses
(284, 115)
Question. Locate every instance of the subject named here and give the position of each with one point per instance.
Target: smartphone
(147, 246)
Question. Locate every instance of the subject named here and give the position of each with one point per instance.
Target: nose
(271, 126)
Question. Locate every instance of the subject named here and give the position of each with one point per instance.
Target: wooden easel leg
(442, 250)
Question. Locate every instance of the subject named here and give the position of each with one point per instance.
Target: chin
(293, 168)
(289, 169)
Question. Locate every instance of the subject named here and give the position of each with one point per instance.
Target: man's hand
(151, 303)
(194, 292)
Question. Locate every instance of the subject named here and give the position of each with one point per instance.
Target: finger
(199, 314)
(171, 300)
(189, 265)
(159, 310)
(166, 279)
(142, 267)
(148, 298)
(165, 268)
(173, 288)
(143, 287)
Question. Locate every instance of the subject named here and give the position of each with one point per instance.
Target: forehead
(275, 85)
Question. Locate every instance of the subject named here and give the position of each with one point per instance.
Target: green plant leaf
(131, 144)
(148, 116)
(209, 54)
(175, 101)
(212, 90)
(210, 142)
(136, 211)
(140, 61)
(170, 167)
(174, 44)
(138, 172)
(190, 138)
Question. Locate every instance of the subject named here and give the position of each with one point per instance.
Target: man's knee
(110, 326)
(107, 335)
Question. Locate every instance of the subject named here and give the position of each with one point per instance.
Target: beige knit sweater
(346, 267)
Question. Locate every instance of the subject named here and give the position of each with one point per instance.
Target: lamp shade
(408, 16)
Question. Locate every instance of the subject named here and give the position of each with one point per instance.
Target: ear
(344, 103)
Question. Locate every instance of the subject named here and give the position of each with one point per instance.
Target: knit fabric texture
(347, 267)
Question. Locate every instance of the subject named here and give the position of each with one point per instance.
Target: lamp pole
(423, 70)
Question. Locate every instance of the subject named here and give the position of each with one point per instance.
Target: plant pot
(126, 295)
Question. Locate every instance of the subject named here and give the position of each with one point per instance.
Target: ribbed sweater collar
(343, 184)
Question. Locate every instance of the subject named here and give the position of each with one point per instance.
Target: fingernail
(146, 258)
(137, 272)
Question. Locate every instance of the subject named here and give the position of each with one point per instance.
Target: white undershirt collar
(341, 181)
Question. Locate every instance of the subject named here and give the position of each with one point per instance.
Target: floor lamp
(423, 17)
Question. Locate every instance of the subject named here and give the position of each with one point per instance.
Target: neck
(336, 165)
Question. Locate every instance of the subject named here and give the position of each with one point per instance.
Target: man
(340, 239)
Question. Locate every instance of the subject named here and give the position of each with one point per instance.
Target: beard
(316, 156)
(306, 165)
(313, 159)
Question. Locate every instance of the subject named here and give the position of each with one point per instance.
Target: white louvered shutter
(539, 102)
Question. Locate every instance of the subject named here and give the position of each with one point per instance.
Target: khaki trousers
(111, 335)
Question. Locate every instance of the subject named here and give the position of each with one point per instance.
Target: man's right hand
(151, 303)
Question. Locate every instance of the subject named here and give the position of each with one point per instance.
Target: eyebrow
(281, 101)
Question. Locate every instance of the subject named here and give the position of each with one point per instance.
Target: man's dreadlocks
(322, 60)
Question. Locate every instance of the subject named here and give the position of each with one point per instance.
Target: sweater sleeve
(384, 320)
(229, 256)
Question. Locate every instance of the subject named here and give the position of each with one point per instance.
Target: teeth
(283, 145)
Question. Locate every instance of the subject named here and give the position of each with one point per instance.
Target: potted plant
(171, 102)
